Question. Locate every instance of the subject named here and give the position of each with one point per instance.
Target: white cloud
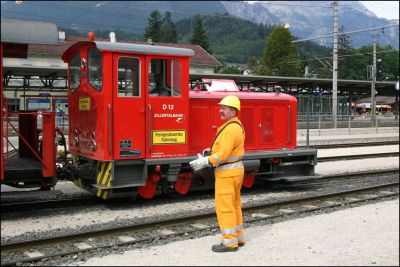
(383, 9)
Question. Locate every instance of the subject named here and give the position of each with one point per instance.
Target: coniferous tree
(345, 68)
(153, 29)
(280, 54)
(168, 30)
(199, 36)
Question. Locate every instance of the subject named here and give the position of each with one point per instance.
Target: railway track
(183, 226)
(385, 143)
(90, 200)
(360, 156)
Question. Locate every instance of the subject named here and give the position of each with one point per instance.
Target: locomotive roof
(129, 47)
(242, 95)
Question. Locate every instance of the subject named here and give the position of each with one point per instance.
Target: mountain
(315, 18)
(306, 18)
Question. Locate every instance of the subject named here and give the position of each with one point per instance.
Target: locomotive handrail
(150, 126)
(109, 129)
(27, 144)
(289, 125)
(197, 85)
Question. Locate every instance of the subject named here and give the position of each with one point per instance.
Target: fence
(347, 121)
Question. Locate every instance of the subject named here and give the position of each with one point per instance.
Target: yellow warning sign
(168, 137)
(84, 103)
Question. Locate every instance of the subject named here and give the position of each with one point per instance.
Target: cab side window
(95, 67)
(74, 73)
(128, 77)
(164, 77)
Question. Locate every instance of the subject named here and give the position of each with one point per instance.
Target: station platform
(346, 136)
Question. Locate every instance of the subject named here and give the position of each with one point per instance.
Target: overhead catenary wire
(347, 55)
(350, 32)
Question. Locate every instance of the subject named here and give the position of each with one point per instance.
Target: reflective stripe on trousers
(228, 207)
(238, 231)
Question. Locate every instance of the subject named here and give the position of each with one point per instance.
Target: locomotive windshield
(164, 77)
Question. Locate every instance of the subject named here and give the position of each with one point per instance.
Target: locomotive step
(98, 186)
(290, 163)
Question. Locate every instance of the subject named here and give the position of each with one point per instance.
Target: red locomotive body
(135, 125)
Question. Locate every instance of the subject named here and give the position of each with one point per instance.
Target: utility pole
(373, 77)
(335, 62)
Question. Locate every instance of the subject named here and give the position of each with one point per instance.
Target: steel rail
(13, 207)
(358, 156)
(7, 246)
(328, 146)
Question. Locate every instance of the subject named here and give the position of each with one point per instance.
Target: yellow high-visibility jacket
(228, 150)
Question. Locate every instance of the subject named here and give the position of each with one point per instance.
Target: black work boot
(241, 244)
(223, 248)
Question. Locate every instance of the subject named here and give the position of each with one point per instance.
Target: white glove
(199, 163)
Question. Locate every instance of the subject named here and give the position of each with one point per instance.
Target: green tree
(389, 63)
(168, 29)
(226, 69)
(153, 29)
(345, 62)
(199, 35)
(280, 56)
(252, 64)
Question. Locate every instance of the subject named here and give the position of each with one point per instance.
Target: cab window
(74, 73)
(128, 76)
(165, 77)
(95, 68)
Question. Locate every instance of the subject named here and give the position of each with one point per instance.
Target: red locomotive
(134, 123)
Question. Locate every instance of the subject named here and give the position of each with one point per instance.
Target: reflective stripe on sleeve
(217, 159)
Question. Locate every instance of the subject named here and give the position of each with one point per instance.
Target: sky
(383, 9)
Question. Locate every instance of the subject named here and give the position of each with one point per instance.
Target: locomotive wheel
(183, 183)
(148, 190)
(248, 180)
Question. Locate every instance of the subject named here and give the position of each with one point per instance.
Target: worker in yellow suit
(226, 156)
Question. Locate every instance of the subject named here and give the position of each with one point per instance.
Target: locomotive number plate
(168, 137)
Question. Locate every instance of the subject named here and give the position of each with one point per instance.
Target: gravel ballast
(366, 235)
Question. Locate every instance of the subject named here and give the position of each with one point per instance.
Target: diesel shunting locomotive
(135, 123)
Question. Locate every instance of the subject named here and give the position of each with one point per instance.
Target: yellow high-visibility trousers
(228, 206)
